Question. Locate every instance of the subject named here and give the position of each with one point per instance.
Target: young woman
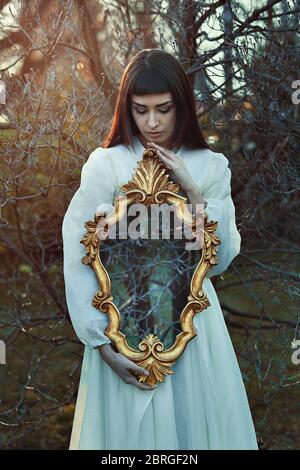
(203, 405)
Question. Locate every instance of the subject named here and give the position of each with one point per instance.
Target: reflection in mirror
(150, 282)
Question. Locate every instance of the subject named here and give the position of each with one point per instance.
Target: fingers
(165, 160)
(162, 151)
(140, 370)
(136, 370)
(127, 369)
(134, 381)
(140, 385)
(167, 157)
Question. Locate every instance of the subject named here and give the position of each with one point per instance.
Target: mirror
(148, 276)
(150, 255)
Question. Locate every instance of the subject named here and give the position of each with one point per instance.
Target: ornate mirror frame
(151, 183)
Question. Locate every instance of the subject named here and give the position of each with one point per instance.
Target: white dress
(203, 405)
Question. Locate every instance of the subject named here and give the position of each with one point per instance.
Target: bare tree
(61, 62)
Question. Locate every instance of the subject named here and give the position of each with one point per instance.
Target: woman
(203, 405)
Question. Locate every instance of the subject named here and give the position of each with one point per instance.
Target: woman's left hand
(175, 163)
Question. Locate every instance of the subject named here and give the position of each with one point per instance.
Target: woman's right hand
(124, 367)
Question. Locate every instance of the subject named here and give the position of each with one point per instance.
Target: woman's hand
(175, 163)
(124, 367)
(180, 175)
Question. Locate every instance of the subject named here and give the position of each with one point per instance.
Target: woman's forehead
(156, 99)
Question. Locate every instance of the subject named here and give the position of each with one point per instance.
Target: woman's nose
(153, 121)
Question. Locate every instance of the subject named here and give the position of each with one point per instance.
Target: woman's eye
(160, 110)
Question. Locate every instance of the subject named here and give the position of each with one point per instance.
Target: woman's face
(154, 113)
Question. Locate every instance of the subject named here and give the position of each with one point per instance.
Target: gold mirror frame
(151, 183)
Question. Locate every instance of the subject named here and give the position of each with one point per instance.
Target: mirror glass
(150, 277)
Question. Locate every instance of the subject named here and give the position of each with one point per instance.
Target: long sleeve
(97, 186)
(220, 208)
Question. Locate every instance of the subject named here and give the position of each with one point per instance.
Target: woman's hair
(155, 71)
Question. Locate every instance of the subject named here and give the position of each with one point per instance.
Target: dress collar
(138, 147)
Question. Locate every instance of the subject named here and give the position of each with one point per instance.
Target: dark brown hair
(155, 71)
